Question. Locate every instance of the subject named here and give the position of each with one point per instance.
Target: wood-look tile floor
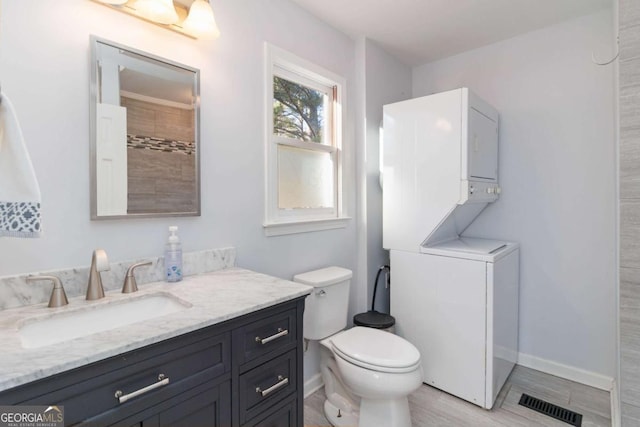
(432, 407)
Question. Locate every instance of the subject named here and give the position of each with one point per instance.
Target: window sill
(282, 228)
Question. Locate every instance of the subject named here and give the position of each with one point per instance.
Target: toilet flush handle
(321, 293)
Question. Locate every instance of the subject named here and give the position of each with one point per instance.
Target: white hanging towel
(19, 189)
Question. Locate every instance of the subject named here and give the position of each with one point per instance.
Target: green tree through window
(298, 111)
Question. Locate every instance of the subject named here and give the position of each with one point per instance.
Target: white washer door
(440, 307)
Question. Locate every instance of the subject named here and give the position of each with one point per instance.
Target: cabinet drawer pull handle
(282, 381)
(162, 381)
(281, 333)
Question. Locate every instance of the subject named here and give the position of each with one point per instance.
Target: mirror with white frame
(145, 144)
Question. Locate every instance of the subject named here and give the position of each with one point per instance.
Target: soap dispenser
(173, 256)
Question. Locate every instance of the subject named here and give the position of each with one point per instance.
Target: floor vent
(557, 412)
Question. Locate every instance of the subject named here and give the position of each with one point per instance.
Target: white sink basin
(65, 326)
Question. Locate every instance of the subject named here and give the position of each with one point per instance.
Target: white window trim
(277, 222)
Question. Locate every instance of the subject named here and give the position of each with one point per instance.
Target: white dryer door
(483, 146)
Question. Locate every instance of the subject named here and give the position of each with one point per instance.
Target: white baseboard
(616, 419)
(312, 384)
(578, 375)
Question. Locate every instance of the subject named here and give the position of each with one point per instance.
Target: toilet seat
(376, 350)
(375, 367)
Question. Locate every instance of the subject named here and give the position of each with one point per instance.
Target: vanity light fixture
(201, 20)
(195, 21)
(160, 11)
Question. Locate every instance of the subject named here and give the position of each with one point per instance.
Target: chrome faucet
(130, 284)
(99, 262)
(58, 295)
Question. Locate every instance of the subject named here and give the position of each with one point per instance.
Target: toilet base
(339, 417)
(391, 413)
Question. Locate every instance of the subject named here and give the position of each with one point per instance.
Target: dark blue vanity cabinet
(244, 372)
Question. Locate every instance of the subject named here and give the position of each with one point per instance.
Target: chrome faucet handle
(58, 295)
(130, 284)
(99, 262)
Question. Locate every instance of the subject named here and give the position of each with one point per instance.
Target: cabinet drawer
(282, 416)
(267, 335)
(195, 362)
(266, 385)
(205, 405)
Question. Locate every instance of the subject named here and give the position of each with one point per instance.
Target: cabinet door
(483, 146)
(211, 409)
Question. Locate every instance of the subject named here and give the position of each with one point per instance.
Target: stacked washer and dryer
(455, 298)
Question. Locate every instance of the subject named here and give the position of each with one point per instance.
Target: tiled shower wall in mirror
(161, 157)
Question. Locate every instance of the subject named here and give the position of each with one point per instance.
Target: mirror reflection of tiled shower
(161, 162)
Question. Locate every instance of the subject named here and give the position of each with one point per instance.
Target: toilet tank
(326, 307)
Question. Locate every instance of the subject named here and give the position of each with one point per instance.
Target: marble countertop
(214, 297)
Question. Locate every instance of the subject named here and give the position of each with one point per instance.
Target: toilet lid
(376, 350)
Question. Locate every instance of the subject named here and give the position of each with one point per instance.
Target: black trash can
(374, 319)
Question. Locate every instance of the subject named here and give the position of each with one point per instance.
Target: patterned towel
(19, 190)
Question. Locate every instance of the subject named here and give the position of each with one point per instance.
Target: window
(303, 138)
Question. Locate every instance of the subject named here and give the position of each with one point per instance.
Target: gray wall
(557, 170)
(629, 22)
(387, 80)
(44, 69)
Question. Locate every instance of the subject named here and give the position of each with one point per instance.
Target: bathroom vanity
(233, 357)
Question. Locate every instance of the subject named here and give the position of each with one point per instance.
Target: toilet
(367, 373)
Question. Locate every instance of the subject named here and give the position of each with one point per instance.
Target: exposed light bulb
(160, 11)
(201, 21)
